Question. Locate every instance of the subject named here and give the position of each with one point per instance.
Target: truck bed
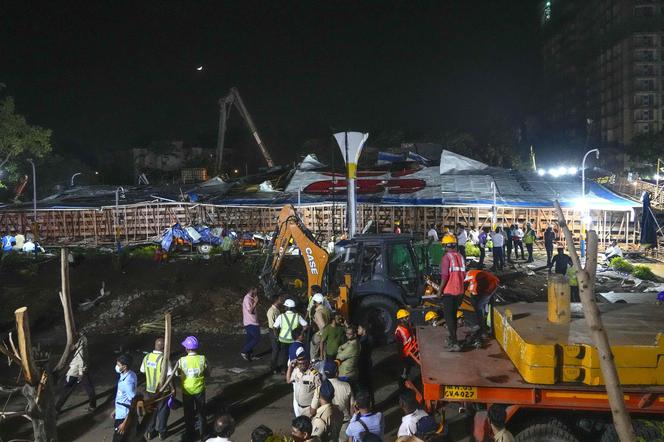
(487, 375)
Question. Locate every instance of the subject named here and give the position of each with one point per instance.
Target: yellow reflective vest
(289, 322)
(152, 363)
(191, 369)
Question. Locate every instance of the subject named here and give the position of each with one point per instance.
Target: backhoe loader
(369, 278)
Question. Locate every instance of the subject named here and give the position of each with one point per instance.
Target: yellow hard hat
(402, 313)
(396, 223)
(448, 238)
(430, 316)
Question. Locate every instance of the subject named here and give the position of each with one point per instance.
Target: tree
(17, 137)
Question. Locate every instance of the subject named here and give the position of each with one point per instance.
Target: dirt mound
(203, 295)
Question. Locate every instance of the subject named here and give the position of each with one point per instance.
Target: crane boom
(234, 98)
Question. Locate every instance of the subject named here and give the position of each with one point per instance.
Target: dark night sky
(115, 74)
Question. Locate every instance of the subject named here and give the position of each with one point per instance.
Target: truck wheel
(379, 314)
(645, 430)
(549, 430)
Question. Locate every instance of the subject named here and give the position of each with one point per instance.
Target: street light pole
(71, 182)
(117, 204)
(494, 209)
(585, 209)
(34, 191)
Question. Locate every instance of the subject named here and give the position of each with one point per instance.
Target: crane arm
(234, 99)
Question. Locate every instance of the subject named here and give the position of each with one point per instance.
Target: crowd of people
(18, 242)
(504, 243)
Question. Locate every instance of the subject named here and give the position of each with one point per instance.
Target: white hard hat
(318, 298)
(289, 303)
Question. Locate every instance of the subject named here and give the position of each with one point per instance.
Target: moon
(200, 68)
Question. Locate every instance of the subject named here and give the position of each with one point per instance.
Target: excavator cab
(385, 275)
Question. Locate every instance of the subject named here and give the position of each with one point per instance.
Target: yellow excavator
(370, 277)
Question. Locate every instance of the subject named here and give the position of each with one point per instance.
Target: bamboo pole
(586, 278)
(65, 300)
(167, 352)
(25, 346)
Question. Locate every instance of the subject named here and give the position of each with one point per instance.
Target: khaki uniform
(321, 319)
(503, 436)
(327, 423)
(305, 385)
(348, 354)
(343, 396)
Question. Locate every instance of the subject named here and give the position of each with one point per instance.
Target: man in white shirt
(224, 426)
(498, 242)
(517, 236)
(412, 414)
(462, 239)
(432, 234)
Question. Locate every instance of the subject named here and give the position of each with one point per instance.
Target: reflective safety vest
(152, 368)
(481, 280)
(571, 277)
(530, 237)
(457, 274)
(191, 370)
(403, 335)
(289, 321)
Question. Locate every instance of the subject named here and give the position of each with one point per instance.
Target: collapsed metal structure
(139, 223)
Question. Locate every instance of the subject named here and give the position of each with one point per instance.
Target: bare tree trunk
(586, 279)
(37, 389)
(65, 299)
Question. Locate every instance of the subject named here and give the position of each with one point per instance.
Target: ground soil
(205, 299)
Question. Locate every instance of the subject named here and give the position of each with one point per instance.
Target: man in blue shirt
(296, 349)
(364, 421)
(124, 397)
(7, 241)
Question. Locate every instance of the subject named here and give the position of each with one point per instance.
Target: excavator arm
(290, 228)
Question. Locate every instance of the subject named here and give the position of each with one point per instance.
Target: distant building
(169, 157)
(602, 69)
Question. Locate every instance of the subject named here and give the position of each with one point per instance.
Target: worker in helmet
(286, 323)
(397, 227)
(404, 337)
(321, 318)
(452, 275)
(431, 318)
(481, 285)
(193, 369)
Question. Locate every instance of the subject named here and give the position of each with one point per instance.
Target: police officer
(192, 369)
(152, 367)
(285, 324)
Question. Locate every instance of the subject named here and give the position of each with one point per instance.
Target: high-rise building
(603, 63)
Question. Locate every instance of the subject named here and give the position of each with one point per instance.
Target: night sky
(113, 75)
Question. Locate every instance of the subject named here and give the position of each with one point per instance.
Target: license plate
(460, 392)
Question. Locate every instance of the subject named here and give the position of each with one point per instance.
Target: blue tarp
(177, 231)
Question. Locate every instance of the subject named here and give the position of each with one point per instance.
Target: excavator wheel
(379, 314)
(546, 430)
(644, 430)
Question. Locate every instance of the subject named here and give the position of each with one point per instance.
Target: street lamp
(34, 190)
(586, 210)
(71, 182)
(117, 204)
(494, 208)
(35, 226)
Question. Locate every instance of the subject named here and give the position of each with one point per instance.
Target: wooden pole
(25, 346)
(586, 278)
(65, 299)
(167, 352)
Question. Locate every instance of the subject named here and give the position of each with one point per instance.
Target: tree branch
(600, 339)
